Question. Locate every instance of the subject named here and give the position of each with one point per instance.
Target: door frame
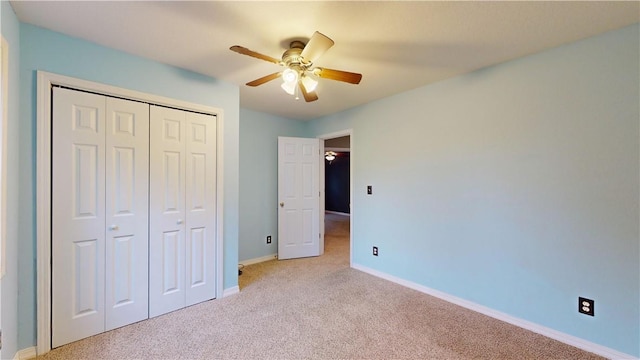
(340, 133)
(4, 120)
(45, 81)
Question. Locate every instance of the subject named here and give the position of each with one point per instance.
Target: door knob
(113, 227)
(281, 204)
(179, 221)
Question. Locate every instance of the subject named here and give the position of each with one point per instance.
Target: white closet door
(167, 211)
(201, 207)
(100, 214)
(127, 208)
(78, 206)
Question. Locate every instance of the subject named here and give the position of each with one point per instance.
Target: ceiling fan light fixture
(290, 76)
(289, 87)
(298, 76)
(309, 83)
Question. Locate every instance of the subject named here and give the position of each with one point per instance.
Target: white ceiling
(397, 46)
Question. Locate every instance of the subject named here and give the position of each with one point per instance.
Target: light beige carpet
(319, 308)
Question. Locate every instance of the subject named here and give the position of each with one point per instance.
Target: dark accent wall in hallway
(336, 179)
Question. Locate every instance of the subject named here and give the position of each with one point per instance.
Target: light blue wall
(11, 33)
(259, 180)
(515, 187)
(53, 52)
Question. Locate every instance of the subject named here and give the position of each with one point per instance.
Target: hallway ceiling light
(330, 155)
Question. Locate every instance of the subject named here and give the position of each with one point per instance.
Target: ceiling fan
(299, 72)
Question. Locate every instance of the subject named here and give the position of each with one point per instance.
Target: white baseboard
(337, 213)
(24, 354)
(230, 291)
(542, 330)
(259, 260)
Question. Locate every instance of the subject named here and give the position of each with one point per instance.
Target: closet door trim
(45, 82)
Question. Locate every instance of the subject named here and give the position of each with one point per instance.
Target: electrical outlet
(586, 306)
(268, 239)
(375, 251)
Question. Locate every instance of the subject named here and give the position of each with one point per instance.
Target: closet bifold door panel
(127, 215)
(78, 216)
(201, 208)
(182, 209)
(99, 214)
(167, 211)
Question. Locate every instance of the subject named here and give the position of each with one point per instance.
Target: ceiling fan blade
(245, 51)
(317, 45)
(264, 79)
(339, 75)
(308, 96)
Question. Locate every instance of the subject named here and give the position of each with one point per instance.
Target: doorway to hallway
(337, 192)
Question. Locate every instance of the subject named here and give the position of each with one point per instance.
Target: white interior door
(167, 211)
(100, 214)
(127, 209)
(78, 216)
(182, 209)
(200, 207)
(299, 197)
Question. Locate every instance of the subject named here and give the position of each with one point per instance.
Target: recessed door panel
(199, 133)
(291, 217)
(85, 164)
(173, 191)
(171, 263)
(308, 236)
(85, 296)
(172, 128)
(198, 181)
(309, 187)
(122, 269)
(124, 123)
(197, 251)
(124, 161)
(86, 118)
(290, 174)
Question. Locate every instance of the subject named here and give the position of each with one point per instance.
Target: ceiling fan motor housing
(291, 57)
